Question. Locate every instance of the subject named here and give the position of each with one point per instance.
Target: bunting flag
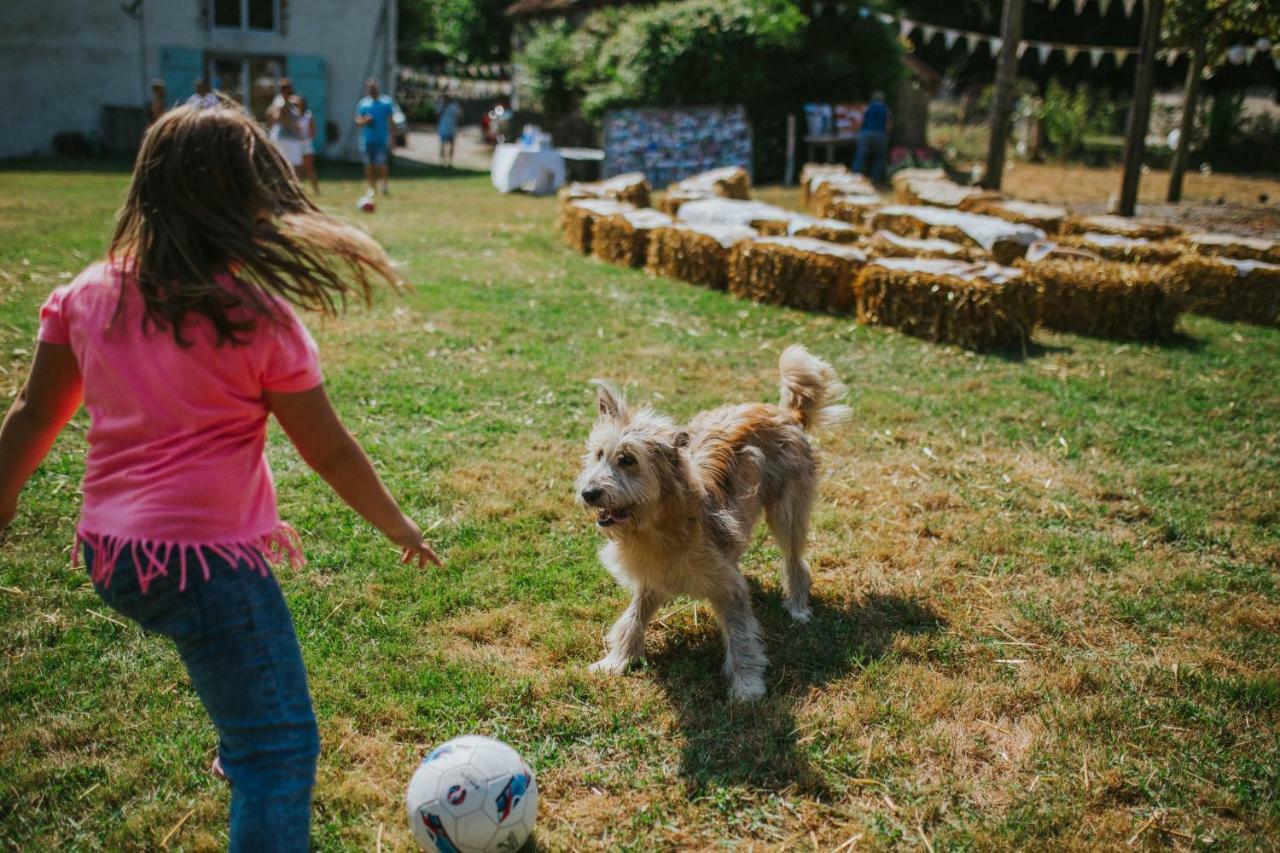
(1238, 54)
(1128, 7)
(1080, 6)
(1250, 53)
(1053, 4)
(885, 18)
(1103, 6)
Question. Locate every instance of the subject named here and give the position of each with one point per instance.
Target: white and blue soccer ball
(472, 795)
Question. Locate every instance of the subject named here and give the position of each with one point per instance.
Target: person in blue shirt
(873, 139)
(373, 116)
(447, 127)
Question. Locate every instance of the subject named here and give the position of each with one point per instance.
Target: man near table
(373, 117)
(873, 139)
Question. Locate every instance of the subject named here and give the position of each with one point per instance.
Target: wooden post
(1140, 108)
(1006, 77)
(1190, 97)
(788, 176)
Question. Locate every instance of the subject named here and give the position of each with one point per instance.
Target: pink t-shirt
(176, 433)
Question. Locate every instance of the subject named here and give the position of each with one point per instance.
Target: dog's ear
(609, 400)
(680, 438)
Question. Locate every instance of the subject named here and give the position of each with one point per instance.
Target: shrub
(1071, 115)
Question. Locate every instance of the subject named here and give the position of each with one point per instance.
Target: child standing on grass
(180, 345)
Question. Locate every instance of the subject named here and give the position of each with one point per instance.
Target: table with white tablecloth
(535, 170)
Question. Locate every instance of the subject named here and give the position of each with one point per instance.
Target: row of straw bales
(927, 270)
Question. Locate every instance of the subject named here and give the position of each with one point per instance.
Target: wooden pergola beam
(1006, 77)
(1140, 108)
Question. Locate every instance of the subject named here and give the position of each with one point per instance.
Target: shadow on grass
(758, 744)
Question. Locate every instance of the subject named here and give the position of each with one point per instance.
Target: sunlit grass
(1046, 601)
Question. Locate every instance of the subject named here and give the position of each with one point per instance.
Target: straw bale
(766, 218)
(698, 254)
(916, 174)
(1234, 246)
(811, 171)
(1104, 299)
(799, 225)
(632, 188)
(888, 244)
(980, 306)
(851, 208)
(822, 189)
(672, 200)
(577, 215)
(1134, 250)
(1047, 217)
(801, 272)
(1238, 291)
(943, 193)
(727, 182)
(1005, 241)
(1121, 226)
(624, 237)
(1047, 250)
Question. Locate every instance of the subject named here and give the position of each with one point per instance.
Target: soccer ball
(472, 795)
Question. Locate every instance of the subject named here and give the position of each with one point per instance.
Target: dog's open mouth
(610, 517)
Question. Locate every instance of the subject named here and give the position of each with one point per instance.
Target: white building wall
(61, 61)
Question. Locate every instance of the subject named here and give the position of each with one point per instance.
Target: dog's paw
(609, 666)
(747, 688)
(799, 610)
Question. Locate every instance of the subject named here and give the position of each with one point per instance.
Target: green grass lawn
(1046, 603)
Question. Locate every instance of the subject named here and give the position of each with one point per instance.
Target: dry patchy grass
(1046, 610)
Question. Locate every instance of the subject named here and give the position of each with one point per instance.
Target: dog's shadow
(759, 744)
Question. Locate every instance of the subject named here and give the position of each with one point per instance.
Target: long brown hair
(215, 224)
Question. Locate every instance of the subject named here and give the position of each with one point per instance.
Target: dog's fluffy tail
(811, 389)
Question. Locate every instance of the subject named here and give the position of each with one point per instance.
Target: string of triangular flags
(1043, 50)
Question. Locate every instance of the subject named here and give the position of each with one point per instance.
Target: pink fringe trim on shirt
(151, 558)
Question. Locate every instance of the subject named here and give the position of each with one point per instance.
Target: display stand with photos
(668, 145)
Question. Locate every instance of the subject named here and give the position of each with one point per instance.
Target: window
(259, 76)
(259, 15)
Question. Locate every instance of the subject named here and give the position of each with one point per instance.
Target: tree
(457, 30)
(767, 55)
(1210, 29)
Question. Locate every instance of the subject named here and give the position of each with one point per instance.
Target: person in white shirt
(286, 128)
(307, 127)
(204, 98)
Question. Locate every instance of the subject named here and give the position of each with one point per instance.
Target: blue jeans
(236, 638)
(875, 146)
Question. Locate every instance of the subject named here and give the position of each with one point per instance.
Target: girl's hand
(415, 548)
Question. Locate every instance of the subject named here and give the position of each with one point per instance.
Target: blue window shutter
(311, 81)
(179, 68)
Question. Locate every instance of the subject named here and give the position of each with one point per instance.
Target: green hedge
(764, 54)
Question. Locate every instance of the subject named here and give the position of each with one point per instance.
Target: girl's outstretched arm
(324, 443)
(51, 396)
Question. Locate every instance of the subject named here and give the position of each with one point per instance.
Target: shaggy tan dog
(678, 505)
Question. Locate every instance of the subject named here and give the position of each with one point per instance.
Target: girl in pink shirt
(180, 345)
